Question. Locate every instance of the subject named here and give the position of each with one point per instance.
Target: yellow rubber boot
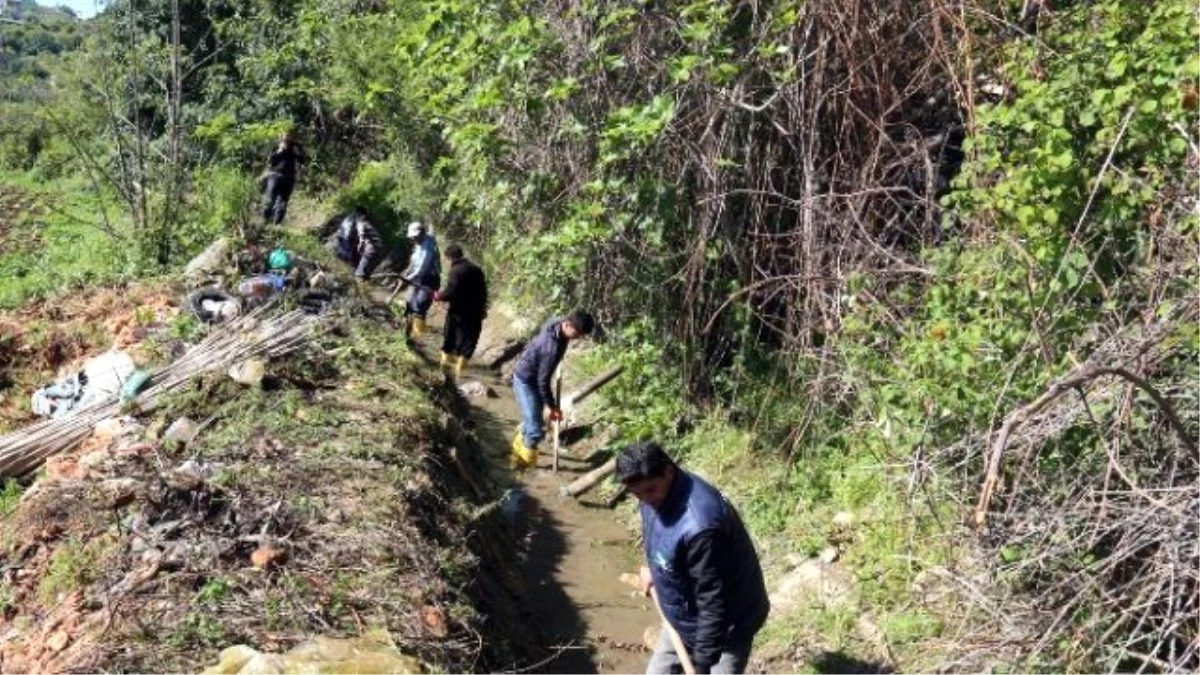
(418, 326)
(458, 366)
(445, 363)
(522, 457)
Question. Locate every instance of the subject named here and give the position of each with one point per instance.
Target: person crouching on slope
(424, 272)
(532, 384)
(466, 294)
(358, 242)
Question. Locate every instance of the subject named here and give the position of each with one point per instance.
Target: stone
(116, 493)
(249, 372)
(435, 620)
(843, 519)
(812, 584)
(113, 427)
(181, 431)
(268, 557)
(209, 262)
(829, 555)
(476, 389)
(189, 476)
(651, 636)
(58, 641)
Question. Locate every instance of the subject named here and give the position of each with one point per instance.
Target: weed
(185, 326)
(10, 496)
(7, 597)
(213, 591)
(73, 564)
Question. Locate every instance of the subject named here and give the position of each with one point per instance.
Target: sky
(84, 8)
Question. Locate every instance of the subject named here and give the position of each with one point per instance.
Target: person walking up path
(283, 171)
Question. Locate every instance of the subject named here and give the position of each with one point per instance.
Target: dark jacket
(286, 162)
(540, 358)
(359, 243)
(704, 568)
(466, 291)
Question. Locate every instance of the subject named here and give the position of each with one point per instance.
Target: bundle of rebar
(256, 335)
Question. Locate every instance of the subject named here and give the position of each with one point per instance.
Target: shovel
(677, 642)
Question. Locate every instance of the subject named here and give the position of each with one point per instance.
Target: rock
(114, 427)
(435, 620)
(476, 389)
(813, 583)
(58, 642)
(209, 262)
(116, 493)
(268, 557)
(64, 468)
(829, 555)
(250, 372)
(182, 431)
(190, 476)
(651, 636)
(843, 519)
(373, 652)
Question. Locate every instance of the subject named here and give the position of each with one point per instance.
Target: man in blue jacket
(700, 562)
(533, 381)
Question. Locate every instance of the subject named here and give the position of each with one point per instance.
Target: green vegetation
(74, 564)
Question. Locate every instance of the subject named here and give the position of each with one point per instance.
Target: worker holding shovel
(533, 382)
(702, 568)
(424, 274)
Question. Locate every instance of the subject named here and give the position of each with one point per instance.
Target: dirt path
(574, 552)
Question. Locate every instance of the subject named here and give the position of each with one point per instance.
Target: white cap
(415, 228)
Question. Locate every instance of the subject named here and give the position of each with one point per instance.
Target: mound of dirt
(45, 339)
(327, 503)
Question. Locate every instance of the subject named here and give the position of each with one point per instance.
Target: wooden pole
(589, 480)
(558, 422)
(681, 651)
(593, 384)
(677, 642)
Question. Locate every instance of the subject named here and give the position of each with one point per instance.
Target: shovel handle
(677, 642)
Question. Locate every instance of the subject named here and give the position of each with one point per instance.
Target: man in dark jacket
(532, 381)
(358, 243)
(700, 563)
(283, 170)
(466, 293)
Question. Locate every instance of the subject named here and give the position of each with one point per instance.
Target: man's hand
(556, 415)
(437, 296)
(645, 581)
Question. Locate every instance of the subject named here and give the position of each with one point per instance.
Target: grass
(67, 245)
(789, 505)
(75, 563)
(10, 496)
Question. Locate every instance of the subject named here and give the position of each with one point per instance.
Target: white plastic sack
(99, 382)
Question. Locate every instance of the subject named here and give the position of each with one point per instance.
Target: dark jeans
(278, 192)
(421, 298)
(461, 334)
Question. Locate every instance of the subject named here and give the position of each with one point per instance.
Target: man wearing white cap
(424, 271)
